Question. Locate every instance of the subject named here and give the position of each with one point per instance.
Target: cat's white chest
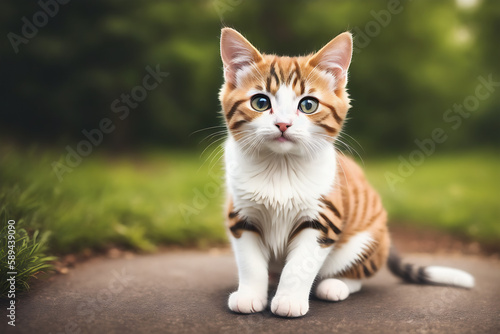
(277, 192)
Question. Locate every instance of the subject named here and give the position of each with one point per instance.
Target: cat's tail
(428, 274)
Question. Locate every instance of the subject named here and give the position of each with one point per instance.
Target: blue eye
(260, 102)
(308, 105)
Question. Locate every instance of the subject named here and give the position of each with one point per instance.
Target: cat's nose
(283, 126)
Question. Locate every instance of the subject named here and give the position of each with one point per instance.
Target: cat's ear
(335, 57)
(236, 53)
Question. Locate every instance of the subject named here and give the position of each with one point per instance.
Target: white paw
(332, 289)
(246, 302)
(289, 306)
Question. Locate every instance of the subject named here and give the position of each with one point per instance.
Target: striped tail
(428, 274)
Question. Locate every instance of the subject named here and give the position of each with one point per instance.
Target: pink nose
(283, 126)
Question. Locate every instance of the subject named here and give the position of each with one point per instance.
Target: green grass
(20, 253)
(174, 198)
(458, 194)
(135, 202)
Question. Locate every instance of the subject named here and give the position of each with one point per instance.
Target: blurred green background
(155, 177)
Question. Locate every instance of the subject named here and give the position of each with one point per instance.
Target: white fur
(278, 193)
(334, 289)
(303, 262)
(449, 276)
(354, 285)
(252, 260)
(343, 257)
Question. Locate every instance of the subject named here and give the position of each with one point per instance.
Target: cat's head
(285, 105)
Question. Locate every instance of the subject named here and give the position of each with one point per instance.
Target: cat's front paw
(289, 306)
(246, 302)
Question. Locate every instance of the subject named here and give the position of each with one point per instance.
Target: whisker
(215, 134)
(209, 128)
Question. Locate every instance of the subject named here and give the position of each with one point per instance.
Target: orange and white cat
(295, 206)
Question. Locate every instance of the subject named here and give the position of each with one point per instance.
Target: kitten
(293, 204)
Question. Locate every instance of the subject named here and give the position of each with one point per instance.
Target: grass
(458, 194)
(173, 198)
(20, 252)
(131, 202)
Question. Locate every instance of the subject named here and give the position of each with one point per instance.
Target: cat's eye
(260, 102)
(308, 105)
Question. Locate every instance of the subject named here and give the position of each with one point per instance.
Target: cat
(294, 205)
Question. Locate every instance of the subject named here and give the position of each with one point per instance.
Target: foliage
(409, 68)
(30, 248)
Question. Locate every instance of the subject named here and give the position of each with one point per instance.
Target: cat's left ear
(335, 57)
(236, 53)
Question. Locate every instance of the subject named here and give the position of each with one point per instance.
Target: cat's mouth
(283, 139)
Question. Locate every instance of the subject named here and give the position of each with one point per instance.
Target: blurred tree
(413, 62)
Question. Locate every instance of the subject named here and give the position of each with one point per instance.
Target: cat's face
(280, 104)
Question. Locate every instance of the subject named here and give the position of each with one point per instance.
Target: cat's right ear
(236, 53)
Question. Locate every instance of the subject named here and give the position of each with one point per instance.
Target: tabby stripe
(366, 271)
(407, 272)
(329, 222)
(243, 225)
(268, 84)
(355, 272)
(289, 79)
(326, 241)
(238, 124)
(282, 76)
(297, 69)
(334, 112)
(273, 73)
(233, 214)
(302, 87)
(327, 128)
(311, 90)
(308, 224)
(231, 112)
(422, 276)
(373, 265)
(322, 118)
(365, 206)
(259, 87)
(331, 207)
(355, 195)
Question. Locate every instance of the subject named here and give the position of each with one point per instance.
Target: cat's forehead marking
(284, 71)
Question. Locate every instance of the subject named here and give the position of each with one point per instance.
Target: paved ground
(186, 292)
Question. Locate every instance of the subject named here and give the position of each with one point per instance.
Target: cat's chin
(282, 145)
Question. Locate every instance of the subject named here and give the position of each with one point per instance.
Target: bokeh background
(155, 179)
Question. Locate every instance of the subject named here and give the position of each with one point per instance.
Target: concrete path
(186, 292)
